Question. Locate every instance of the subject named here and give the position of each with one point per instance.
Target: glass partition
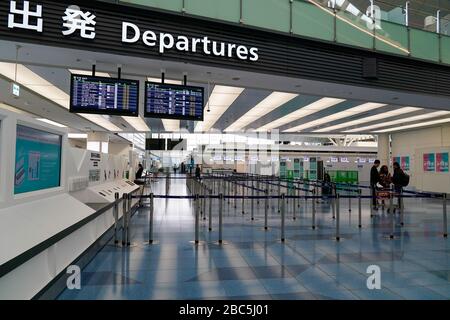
(416, 28)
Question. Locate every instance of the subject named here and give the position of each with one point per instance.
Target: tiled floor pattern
(254, 264)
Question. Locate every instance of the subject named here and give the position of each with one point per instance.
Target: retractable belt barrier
(220, 188)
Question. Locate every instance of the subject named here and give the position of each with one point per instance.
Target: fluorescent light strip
(77, 135)
(376, 117)
(137, 123)
(53, 123)
(34, 82)
(222, 97)
(270, 103)
(89, 73)
(400, 121)
(312, 108)
(101, 121)
(417, 125)
(337, 116)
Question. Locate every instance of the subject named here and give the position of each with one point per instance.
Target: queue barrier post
(283, 209)
(243, 197)
(338, 220)
(150, 222)
(130, 200)
(253, 204)
(359, 209)
(444, 209)
(210, 211)
(266, 210)
(124, 218)
(313, 210)
(116, 215)
(220, 217)
(197, 223)
(391, 197)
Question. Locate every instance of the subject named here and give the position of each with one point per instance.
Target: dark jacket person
(374, 179)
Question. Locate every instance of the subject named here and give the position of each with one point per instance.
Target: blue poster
(38, 160)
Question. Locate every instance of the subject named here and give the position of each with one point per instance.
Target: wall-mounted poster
(429, 163)
(442, 162)
(405, 163)
(396, 159)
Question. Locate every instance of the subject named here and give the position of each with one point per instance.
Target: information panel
(174, 101)
(104, 96)
(38, 160)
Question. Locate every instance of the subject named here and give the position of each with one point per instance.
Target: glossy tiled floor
(253, 264)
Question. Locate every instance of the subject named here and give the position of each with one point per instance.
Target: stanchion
(243, 198)
(402, 223)
(391, 196)
(235, 194)
(197, 218)
(359, 209)
(279, 195)
(220, 217)
(338, 220)
(150, 222)
(205, 189)
(266, 210)
(283, 208)
(313, 210)
(333, 201)
(210, 211)
(349, 202)
(124, 218)
(116, 216)
(253, 205)
(130, 199)
(444, 208)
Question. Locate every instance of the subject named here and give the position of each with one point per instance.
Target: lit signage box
(15, 90)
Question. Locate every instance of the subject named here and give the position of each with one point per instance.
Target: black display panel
(104, 96)
(170, 101)
(155, 144)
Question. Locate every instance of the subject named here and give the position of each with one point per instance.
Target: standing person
(400, 180)
(198, 172)
(139, 172)
(374, 179)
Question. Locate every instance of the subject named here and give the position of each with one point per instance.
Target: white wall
(414, 144)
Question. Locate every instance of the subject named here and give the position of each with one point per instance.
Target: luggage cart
(386, 194)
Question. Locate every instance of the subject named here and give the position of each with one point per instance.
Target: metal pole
(279, 194)
(349, 202)
(333, 201)
(444, 198)
(204, 202)
(243, 197)
(197, 223)
(283, 207)
(130, 200)
(391, 196)
(210, 210)
(314, 210)
(359, 209)
(116, 216)
(220, 216)
(253, 204)
(266, 209)
(401, 210)
(338, 237)
(124, 218)
(150, 223)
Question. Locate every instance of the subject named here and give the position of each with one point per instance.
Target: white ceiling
(52, 64)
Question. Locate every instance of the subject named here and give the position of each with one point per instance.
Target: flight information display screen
(171, 101)
(104, 96)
